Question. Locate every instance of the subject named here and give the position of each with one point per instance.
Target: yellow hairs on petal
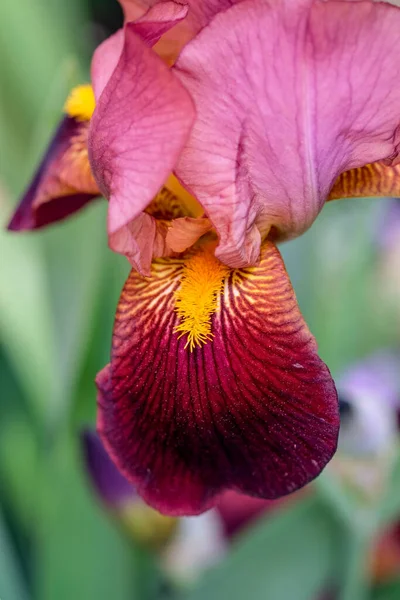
(80, 103)
(197, 298)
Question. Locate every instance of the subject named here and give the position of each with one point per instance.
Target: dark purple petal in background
(111, 486)
(62, 184)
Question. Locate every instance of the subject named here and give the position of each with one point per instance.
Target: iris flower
(221, 128)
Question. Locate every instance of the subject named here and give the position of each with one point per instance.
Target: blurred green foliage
(58, 292)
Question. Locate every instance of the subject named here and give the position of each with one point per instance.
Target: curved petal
(288, 95)
(63, 182)
(159, 20)
(141, 122)
(376, 179)
(146, 238)
(104, 62)
(200, 11)
(170, 225)
(184, 233)
(134, 9)
(254, 410)
(172, 41)
(150, 28)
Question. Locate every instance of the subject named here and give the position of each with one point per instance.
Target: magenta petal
(160, 19)
(288, 95)
(150, 27)
(137, 241)
(254, 410)
(200, 11)
(141, 122)
(62, 184)
(104, 62)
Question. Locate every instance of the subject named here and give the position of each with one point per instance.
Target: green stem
(355, 585)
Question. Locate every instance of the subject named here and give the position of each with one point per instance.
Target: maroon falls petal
(225, 391)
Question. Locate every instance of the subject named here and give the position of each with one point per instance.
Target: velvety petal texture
(169, 226)
(254, 409)
(141, 122)
(288, 95)
(63, 182)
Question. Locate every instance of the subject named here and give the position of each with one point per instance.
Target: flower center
(197, 298)
(173, 201)
(80, 103)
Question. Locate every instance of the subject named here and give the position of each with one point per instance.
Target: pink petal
(134, 9)
(185, 231)
(150, 27)
(159, 20)
(200, 11)
(141, 122)
(172, 41)
(104, 62)
(288, 96)
(138, 240)
(145, 238)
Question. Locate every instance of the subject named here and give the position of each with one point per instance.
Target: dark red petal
(254, 410)
(63, 182)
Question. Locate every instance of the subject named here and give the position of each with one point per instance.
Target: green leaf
(40, 41)
(25, 329)
(332, 268)
(390, 508)
(76, 257)
(80, 553)
(292, 555)
(12, 585)
(389, 591)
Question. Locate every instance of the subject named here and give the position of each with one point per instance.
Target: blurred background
(62, 534)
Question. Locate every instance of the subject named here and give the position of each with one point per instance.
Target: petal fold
(141, 122)
(159, 20)
(200, 11)
(184, 233)
(254, 410)
(173, 222)
(63, 182)
(288, 95)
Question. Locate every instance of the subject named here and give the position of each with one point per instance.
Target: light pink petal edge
(141, 123)
(145, 238)
(288, 95)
